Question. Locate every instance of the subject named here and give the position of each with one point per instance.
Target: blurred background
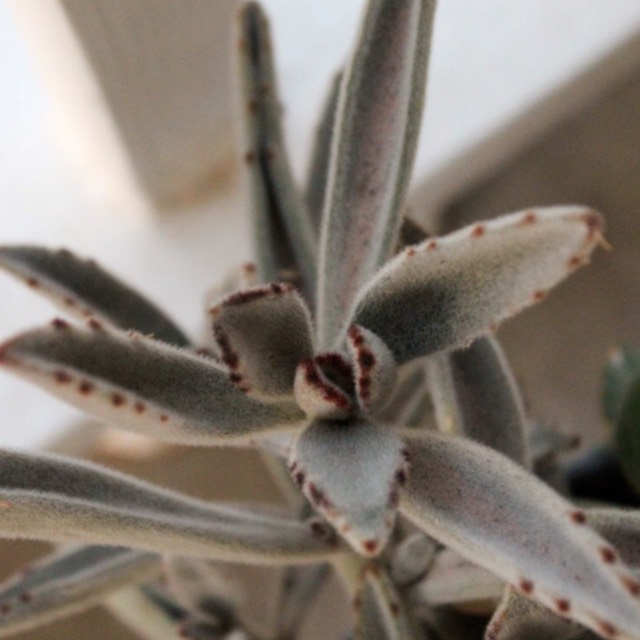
(117, 140)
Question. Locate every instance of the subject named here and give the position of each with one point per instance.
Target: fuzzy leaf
(51, 498)
(69, 581)
(445, 292)
(494, 513)
(379, 113)
(621, 372)
(475, 395)
(519, 618)
(351, 471)
(380, 610)
(284, 238)
(82, 288)
(627, 435)
(321, 155)
(374, 369)
(142, 385)
(622, 528)
(263, 334)
(317, 391)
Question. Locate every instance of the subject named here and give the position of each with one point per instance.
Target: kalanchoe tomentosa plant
(323, 356)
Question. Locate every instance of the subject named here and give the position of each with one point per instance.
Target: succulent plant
(365, 371)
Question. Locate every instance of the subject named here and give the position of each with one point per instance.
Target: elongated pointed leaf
(142, 385)
(263, 334)
(50, 498)
(318, 176)
(69, 581)
(445, 292)
(377, 126)
(475, 395)
(82, 288)
(493, 512)
(283, 234)
(351, 471)
(381, 612)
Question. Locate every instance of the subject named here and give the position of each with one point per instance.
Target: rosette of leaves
(322, 356)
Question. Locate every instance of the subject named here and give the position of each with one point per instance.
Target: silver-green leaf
(143, 385)
(82, 288)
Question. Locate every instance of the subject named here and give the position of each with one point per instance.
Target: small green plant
(357, 354)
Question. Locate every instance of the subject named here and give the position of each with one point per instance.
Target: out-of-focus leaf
(143, 385)
(283, 236)
(82, 288)
(447, 291)
(379, 113)
(412, 558)
(69, 581)
(475, 395)
(627, 435)
(351, 472)
(490, 510)
(51, 498)
(621, 373)
(263, 334)
(381, 612)
(454, 580)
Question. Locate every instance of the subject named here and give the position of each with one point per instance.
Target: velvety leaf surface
(622, 528)
(381, 612)
(82, 288)
(374, 369)
(627, 435)
(50, 498)
(475, 395)
(519, 618)
(621, 372)
(317, 391)
(445, 292)
(263, 334)
(494, 513)
(284, 238)
(68, 581)
(379, 112)
(318, 175)
(351, 471)
(142, 385)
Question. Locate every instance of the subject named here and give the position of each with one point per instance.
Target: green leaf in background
(622, 370)
(627, 434)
